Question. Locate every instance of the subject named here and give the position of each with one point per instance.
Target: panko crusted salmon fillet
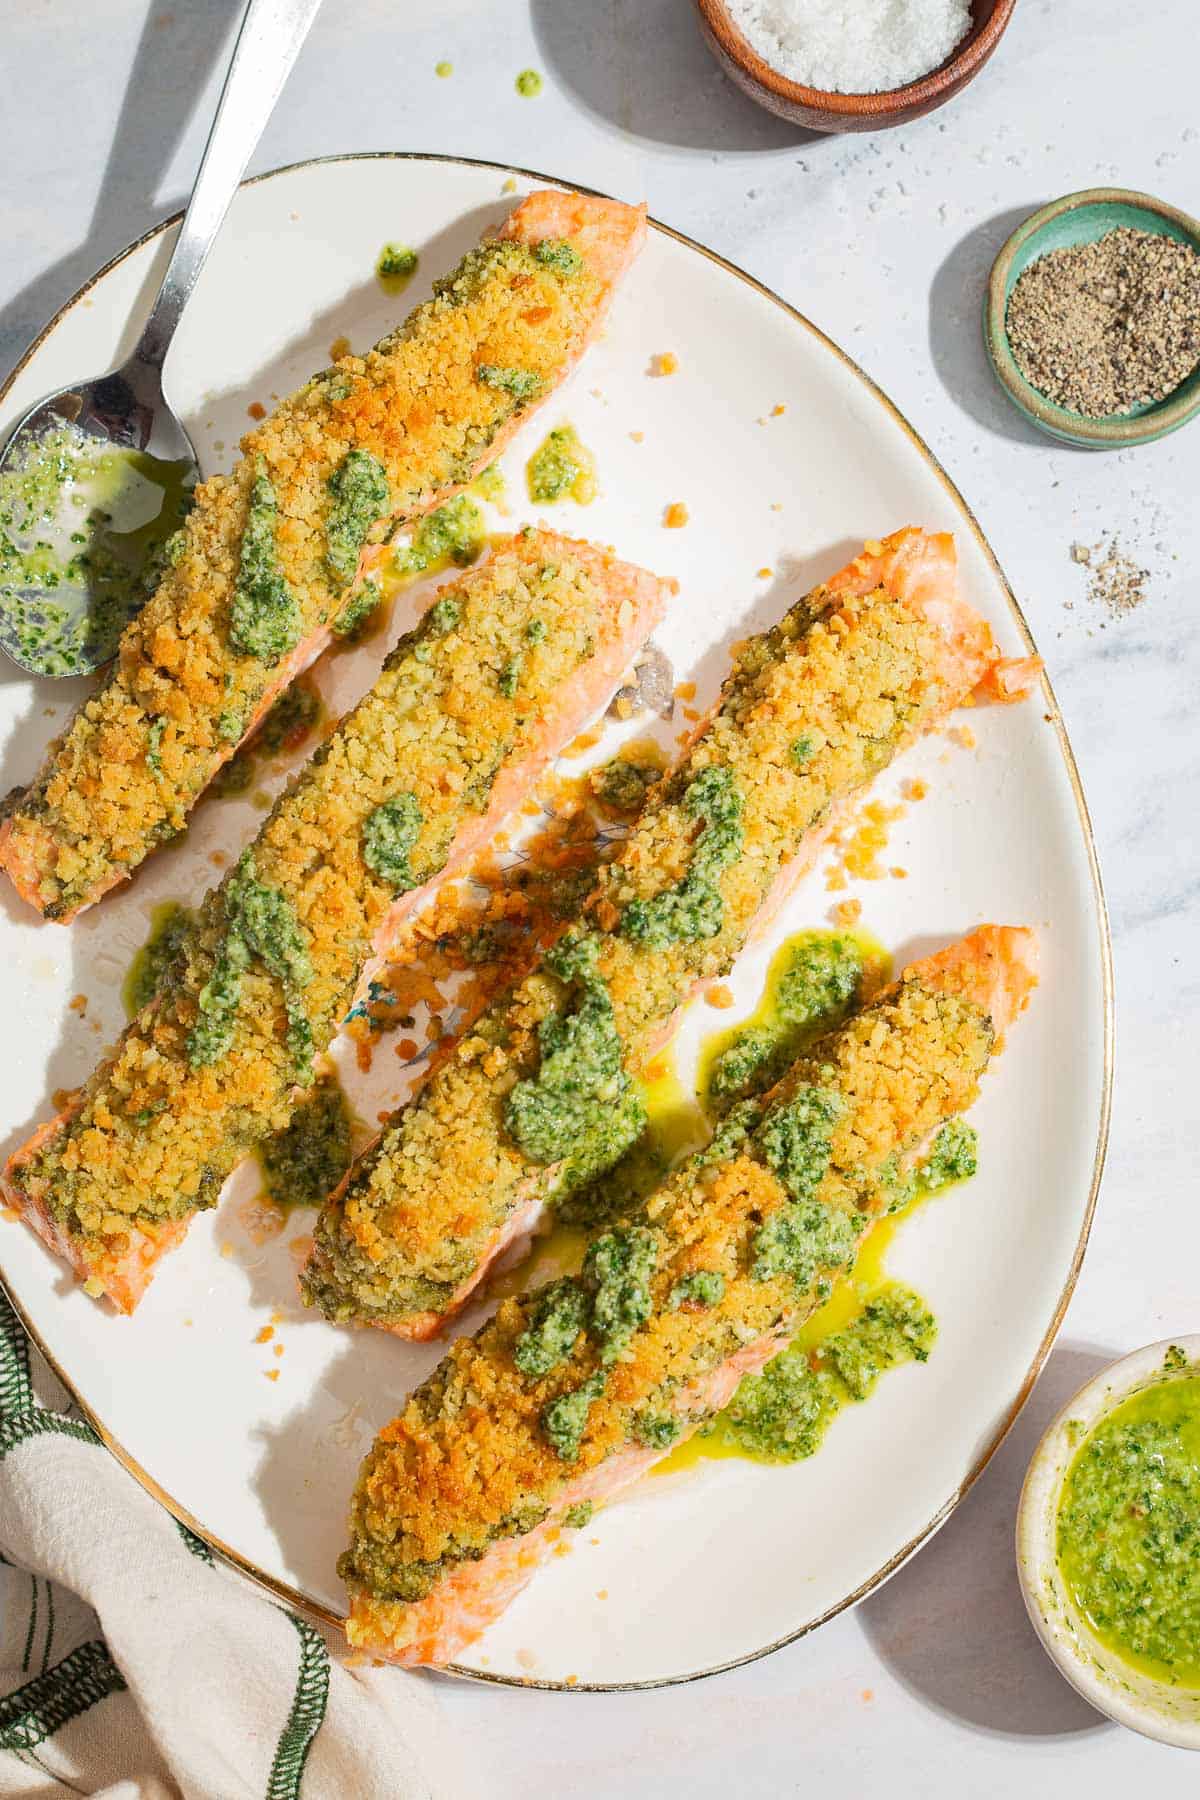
(572, 1392)
(505, 667)
(272, 560)
(541, 1092)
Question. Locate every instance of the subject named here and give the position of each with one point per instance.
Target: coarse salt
(852, 46)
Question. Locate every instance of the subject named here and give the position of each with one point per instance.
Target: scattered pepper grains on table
(1115, 581)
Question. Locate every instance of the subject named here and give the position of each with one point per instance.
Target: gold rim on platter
(292, 1596)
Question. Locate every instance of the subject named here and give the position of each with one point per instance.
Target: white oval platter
(697, 1571)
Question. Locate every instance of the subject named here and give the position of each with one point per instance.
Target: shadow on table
(952, 1625)
(956, 344)
(175, 57)
(643, 66)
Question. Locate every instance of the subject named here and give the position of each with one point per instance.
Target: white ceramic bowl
(1170, 1714)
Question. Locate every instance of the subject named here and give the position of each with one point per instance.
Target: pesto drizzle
(306, 1160)
(260, 924)
(265, 618)
(610, 1299)
(704, 1287)
(453, 533)
(694, 908)
(803, 1236)
(389, 835)
(172, 925)
(521, 385)
(559, 255)
(559, 1315)
(783, 1414)
(581, 1108)
(822, 981)
(360, 494)
(564, 1420)
(359, 609)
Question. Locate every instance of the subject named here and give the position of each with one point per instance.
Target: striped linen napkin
(135, 1666)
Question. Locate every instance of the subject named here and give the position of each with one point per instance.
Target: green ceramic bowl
(1080, 219)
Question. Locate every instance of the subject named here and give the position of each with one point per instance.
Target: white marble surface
(936, 1683)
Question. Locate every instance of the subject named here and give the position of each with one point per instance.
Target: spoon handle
(268, 43)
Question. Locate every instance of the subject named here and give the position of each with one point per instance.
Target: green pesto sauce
(453, 534)
(704, 1287)
(444, 615)
(521, 385)
(580, 1109)
(820, 982)
(782, 1415)
(616, 1273)
(731, 1132)
(465, 283)
(609, 1299)
(1129, 1530)
(99, 522)
(558, 254)
(953, 1157)
(355, 618)
(489, 483)
(796, 1139)
(169, 925)
(306, 1160)
(529, 84)
(443, 69)
(396, 267)
(802, 1238)
(291, 719)
(560, 1313)
(675, 1127)
(657, 1431)
(621, 786)
(693, 909)
(389, 835)
(265, 619)
(260, 926)
(359, 492)
(564, 1420)
(561, 469)
(293, 716)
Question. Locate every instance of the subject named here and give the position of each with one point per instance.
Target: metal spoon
(126, 408)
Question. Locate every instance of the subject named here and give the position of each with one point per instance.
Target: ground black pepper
(1105, 327)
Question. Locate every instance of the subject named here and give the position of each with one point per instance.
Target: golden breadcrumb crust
(854, 677)
(108, 793)
(154, 1137)
(468, 1461)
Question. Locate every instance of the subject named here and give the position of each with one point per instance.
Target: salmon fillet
(570, 1394)
(812, 711)
(506, 667)
(368, 445)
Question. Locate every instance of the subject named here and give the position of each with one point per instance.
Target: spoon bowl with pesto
(1108, 1541)
(96, 477)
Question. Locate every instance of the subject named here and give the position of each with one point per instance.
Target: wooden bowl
(1081, 219)
(820, 110)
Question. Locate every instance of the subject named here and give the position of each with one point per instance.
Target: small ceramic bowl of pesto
(1108, 1541)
